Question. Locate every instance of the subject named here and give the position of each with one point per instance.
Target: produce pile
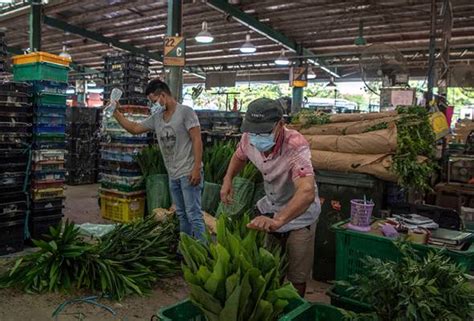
(151, 161)
(129, 259)
(235, 277)
(430, 288)
(395, 146)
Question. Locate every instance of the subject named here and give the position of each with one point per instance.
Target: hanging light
(64, 53)
(282, 60)
(248, 47)
(331, 84)
(311, 74)
(204, 36)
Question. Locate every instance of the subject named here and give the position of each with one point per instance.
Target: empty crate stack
(48, 76)
(15, 146)
(122, 192)
(3, 53)
(82, 136)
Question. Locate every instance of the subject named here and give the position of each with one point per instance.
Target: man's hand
(227, 192)
(195, 177)
(264, 223)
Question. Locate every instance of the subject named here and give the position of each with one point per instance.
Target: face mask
(262, 142)
(156, 107)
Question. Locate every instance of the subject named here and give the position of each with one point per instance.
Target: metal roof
(326, 27)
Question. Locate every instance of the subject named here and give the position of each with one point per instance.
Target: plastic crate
(47, 203)
(42, 194)
(126, 57)
(13, 206)
(15, 107)
(39, 226)
(49, 138)
(77, 177)
(341, 300)
(49, 87)
(119, 171)
(50, 129)
(12, 167)
(12, 236)
(353, 246)
(50, 109)
(15, 97)
(117, 156)
(122, 180)
(50, 99)
(87, 115)
(15, 117)
(123, 148)
(40, 57)
(314, 312)
(187, 311)
(12, 86)
(47, 155)
(12, 178)
(49, 175)
(50, 119)
(15, 138)
(40, 71)
(49, 145)
(12, 216)
(14, 127)
(48, 166)
(127, 89)
(122, 74)
(121, 188)
(53, 211)
(122, 209)
(114, 165)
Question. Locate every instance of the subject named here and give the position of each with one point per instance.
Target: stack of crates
(82, 137)
(128, 72)
(48, 75)
(3, 53)
(15, 157)
(122, 192)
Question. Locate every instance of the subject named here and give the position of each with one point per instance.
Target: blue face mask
(156, 107)
(262, 142)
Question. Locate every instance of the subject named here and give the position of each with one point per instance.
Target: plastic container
(122, 209)
(117, 156)
(122, 180)
(49, 138)
(50, 119)
(40, 57)
(361, 215)
(49, 87)
(50, 109)
(48, 166)
(49, 175)
(87, 115)
(127, 88)
(39, 226)
(53, 211)
(40, 71)
(12, 181)
(14, 127)
(123, 148)
(12, 236)
(12, 216)
(41, 194)
(50, 129)
(345, 302)
(111, 66)
(122, 188)
(13, 206)
(314, 312)
(352, 247)
(19, 87)
(114, 165)
(78, 177)
(15, 97)
(187, 311)
(15, 107)
(47, 203)
(50, 99)
(48, 155)
(14, 117)
(119, 172)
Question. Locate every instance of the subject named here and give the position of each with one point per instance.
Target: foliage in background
(216, 159)
(414, 289)
(251, 173)
(235, 277)
(127, 260)
(308, 118)
(415, 138)
(151, 161)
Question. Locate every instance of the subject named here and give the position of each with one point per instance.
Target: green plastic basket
(122, 188)
(40, 71)
(341, 300)
(352, 246)
(50, 99)
(187, 311)
(314, 312)
(49, 138)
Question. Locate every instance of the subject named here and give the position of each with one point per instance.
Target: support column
(175, 23)
(432, 51)
(36, 12)
(296, 100)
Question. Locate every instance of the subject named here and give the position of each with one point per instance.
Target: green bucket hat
(261, 116)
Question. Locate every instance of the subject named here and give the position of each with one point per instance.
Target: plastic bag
(157, 192)
(242, 198)
(96, 230)
(211, 197)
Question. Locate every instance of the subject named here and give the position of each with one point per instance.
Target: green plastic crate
(49, 138)
(50, 99)
(40, 71)
(342, 301)
(187, 311)
(314, 312)
(122, 188)
(352, 246)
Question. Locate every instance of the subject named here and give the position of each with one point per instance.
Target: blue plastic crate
(50, 87)
(116, 156)
(50, 119)
(50, 109)
(40, 128)
(56, 175)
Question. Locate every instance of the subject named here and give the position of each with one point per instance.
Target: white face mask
(156, 107)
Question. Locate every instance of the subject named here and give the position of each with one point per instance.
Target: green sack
(211, 196)
(157, 192)
(259, 193)
(242, 198)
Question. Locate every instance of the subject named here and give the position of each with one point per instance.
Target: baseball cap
(261, 116)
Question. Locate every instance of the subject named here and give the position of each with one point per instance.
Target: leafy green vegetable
(216, 159)
(430, 288)
(127, 260)
(235, 277)
(151, 161)
(251, 173)
(380, 126)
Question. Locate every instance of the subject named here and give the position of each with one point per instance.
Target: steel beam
(36, 12)
(175, 25)
(269, 32)
(59, 24)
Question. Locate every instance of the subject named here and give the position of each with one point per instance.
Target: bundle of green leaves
(235, 278)
(413, 289)
(127, 260)
(415, 138)
(307, 118)
(216, 159)
(251, 173)
(151, 161)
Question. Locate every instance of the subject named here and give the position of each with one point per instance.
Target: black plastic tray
(39, 226)
(12, 236)
(13, 86)
(15, 117)
(47, 203)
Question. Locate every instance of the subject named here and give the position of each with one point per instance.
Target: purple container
(361, 215)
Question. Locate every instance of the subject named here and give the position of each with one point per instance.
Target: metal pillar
(431, 64)
(35, 25)
(175, 23)
(296, 100)
(443, 79)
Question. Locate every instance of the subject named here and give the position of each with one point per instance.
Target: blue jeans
(187, 199)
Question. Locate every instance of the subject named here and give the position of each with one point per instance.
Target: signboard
(174, 51)
(299, 76)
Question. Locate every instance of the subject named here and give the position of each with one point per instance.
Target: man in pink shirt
(290, 209)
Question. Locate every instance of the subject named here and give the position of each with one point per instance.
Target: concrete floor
(81, 206)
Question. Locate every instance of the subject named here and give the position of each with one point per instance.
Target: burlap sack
(377, 142)
(348, 128)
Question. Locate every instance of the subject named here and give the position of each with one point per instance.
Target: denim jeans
(187, 199)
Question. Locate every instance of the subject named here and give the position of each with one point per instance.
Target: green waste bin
(336, 190)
